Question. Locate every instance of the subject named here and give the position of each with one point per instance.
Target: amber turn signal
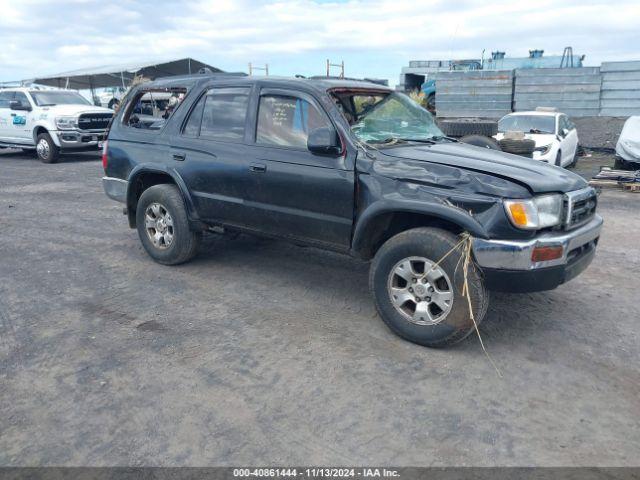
(543, 254)
(518, 214)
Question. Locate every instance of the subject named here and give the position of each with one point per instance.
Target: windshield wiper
(387, 140)
(439, 138)
(47, 105)
(419, 140)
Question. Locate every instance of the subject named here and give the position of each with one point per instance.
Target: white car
(50, 122)
(555, 135)
(111, 96)
(628, 146)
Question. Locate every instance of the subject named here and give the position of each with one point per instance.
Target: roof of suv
(322, 84)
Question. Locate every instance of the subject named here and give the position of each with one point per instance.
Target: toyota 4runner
(353, 167)
(50, 122)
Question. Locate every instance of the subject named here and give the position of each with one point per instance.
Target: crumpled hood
(59, 110)
(537, 176)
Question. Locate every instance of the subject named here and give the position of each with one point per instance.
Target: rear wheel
(47, 151)
(163, 226)
(419, 299)
(619, 164)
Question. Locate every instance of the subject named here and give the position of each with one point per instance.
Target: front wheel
(163, 226)
(421, 300)
(47, 151)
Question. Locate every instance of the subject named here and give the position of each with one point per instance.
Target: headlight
(66, 123)
(543, 149)
(535, 213)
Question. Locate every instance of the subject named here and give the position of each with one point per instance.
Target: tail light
(104, 155)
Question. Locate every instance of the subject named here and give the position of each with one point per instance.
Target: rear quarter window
(150, 109)
(220, 114)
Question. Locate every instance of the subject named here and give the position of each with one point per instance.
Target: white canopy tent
(121, 75)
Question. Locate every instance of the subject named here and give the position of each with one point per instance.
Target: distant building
(418, 71)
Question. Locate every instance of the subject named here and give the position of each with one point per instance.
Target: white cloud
(376, 37)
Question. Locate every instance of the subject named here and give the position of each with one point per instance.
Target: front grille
(580, 207)
(94, 121)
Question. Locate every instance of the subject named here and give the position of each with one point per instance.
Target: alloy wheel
(159, 225)
(420, 291)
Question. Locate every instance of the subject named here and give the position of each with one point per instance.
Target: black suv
(354, 167)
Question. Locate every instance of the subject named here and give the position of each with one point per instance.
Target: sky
(374, 38)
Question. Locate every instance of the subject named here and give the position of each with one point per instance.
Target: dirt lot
(262, 353)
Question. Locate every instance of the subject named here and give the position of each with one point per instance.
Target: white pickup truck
(50, 122)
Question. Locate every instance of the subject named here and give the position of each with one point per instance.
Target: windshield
(528, 124)
(395, 117)
(45, 98)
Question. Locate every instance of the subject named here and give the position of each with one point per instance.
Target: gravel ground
(599, 132)
(258, 352)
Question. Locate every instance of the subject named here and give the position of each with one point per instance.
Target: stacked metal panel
(574, 91)
(620, 96)
(475, 93)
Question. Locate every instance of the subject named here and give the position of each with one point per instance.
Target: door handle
(258, 167)
(179, 156)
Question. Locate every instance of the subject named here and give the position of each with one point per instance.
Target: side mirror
(565, 132)
(18, 105)
(324, 141)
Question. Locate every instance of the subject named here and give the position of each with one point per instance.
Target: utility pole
(265, 69)
(339, 65)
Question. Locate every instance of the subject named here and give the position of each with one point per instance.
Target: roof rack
(201, 73)
(377, 81)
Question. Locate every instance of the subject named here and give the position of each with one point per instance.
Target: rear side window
(224, 113)
(22, 98)
(192, 127)
(287, 121)
(5, 98)
(150, 109)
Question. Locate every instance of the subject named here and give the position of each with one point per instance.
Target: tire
(178, 243)
(620, 164)
(518, 147)
(574, 162)
(462, 128)
(47, 151)
(431, 244)
(558, 162)
(480, 141)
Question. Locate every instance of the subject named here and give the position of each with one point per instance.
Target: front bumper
(508, 266)
(115, 188)
(80, 139)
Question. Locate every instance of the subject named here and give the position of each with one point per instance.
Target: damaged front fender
(424, 194)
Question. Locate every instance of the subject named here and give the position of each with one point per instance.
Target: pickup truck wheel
(163, 226)
(419, 300)
(48, 152)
